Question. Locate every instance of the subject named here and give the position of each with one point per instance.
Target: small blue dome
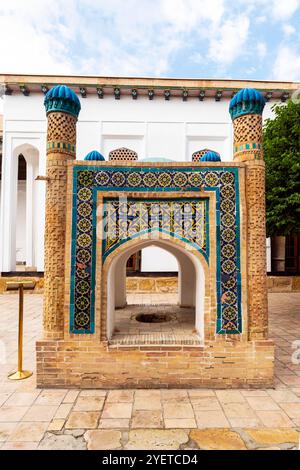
(156, 159)
(62, 98)
(246, 101)
(210, 157)
(94, 155)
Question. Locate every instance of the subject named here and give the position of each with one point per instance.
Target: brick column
(62, 107)
(246, 111)
(256, 242)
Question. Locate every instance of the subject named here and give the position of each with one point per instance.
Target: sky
(245, 39)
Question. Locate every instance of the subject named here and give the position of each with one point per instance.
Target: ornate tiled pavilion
(210, 214)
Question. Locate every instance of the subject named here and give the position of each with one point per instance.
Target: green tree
(282, 157)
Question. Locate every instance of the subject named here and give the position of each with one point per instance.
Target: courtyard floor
(177, 327)
(148, 419)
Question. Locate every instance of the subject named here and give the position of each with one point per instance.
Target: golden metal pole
(20, 374)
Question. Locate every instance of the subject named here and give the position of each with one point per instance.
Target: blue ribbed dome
(156, 159)
(246, 101)
(210, 157)
(94, 155)
(62, 98)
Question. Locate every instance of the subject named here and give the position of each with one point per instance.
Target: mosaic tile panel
(88, 180)
(184, 219)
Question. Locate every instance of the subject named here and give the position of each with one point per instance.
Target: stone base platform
(222, 364)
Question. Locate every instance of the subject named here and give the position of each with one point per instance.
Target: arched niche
(114, 267)
(186, 276)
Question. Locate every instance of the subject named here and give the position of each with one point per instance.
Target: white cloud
(261, 50)
(229, 40)
(260, 19)
(287, 64)
(264, 10)
(282, 10)
(187, 14)
(136, 37)
(250, 70)
(288, 29)
(32, 45)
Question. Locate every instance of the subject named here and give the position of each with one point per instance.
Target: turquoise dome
(62, 98)
(94, 155)
(155, 159)
(210, 157)
(246, 101)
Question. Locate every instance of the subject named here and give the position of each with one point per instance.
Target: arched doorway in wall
(21, 214)
(26, 207)
(185, 292)
(172, 323)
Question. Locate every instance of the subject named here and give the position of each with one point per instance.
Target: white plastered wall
(172, 129)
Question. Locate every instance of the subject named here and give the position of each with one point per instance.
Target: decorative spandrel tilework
(184, 219)
(223, 181)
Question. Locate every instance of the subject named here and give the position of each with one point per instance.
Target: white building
(169, 118)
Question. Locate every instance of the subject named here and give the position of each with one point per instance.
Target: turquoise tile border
(126, 188)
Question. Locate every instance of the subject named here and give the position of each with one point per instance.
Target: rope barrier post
(20, 286)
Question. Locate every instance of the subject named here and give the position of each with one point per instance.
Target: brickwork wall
(220, 364)
(248, 148)
(61, 129)
(152, 284)
(247, 132)
(247, 128)
(283, 283)
(256, 233)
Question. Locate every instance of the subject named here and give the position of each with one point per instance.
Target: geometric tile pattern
(125, 220)
(248, 146)
(90, 179)
(61, 145)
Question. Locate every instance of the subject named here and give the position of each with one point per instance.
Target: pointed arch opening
(185, 320)
(185, 296)
(20, 201)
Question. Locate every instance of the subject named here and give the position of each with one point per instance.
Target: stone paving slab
(149, 419)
